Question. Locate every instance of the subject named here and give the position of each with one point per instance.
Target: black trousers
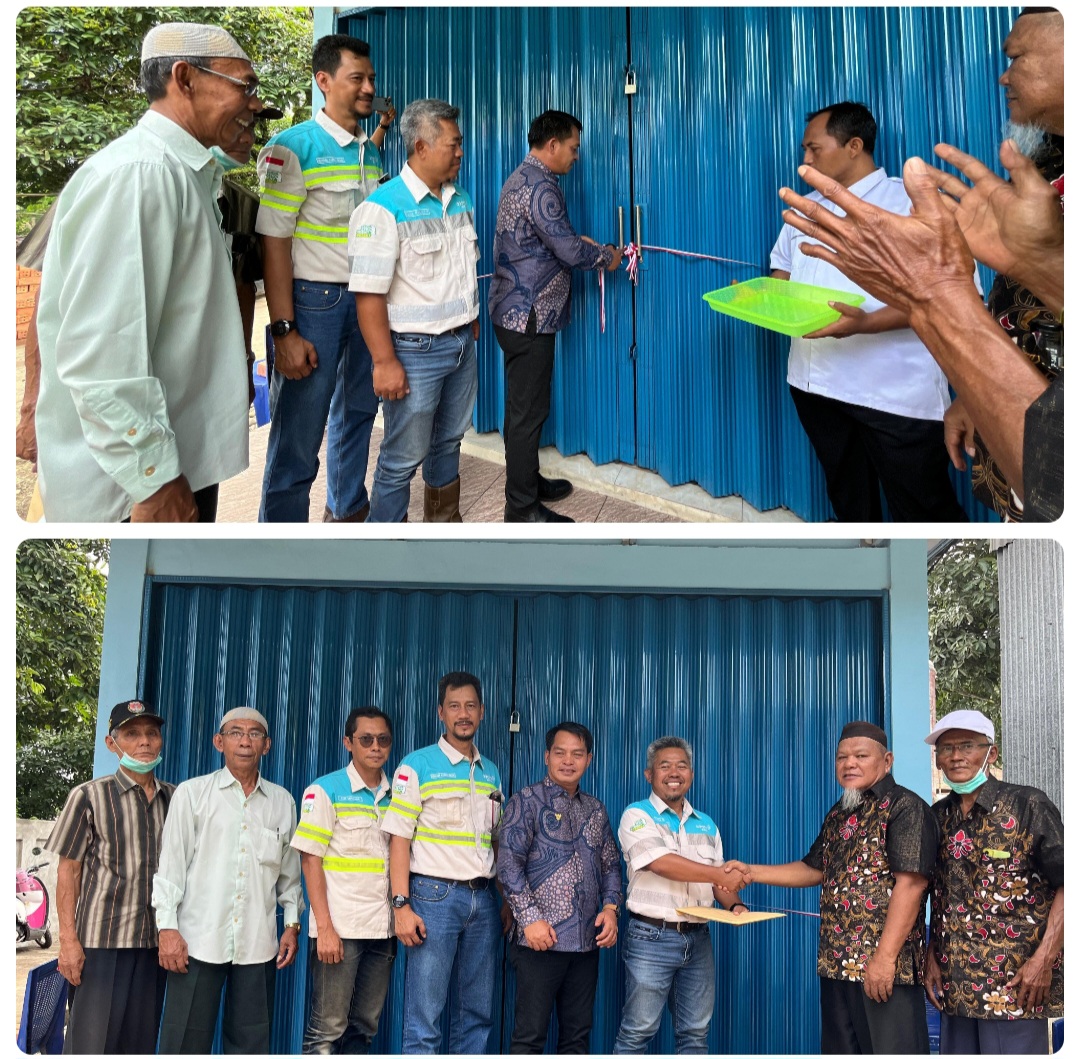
(117, 1008)
(565, 981)
(963, 1036)
(862, 449)
(192, 1002)
(529, 360)
(853, 1024)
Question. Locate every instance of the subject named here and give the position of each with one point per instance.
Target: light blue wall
(897, 568)
(324, 22)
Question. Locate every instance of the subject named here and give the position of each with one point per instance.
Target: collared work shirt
(535, 250)
(311, 178)
(892, 371)
(226, 864)
(998, 870)
(558, 862)
(419, 250)
(339, 823)
(143, 361)
(858, 853)
(443, 803)
(649, 830)
(114, 831)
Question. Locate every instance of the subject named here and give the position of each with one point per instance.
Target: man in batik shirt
(559, 871)
(1035, 90)
(873, 860)
(997, 912)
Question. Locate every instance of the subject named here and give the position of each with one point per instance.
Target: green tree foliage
(77, 76)
(48, 766)
(59, 614)
(964, 632)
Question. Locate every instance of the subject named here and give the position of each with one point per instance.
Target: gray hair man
(143, 405)
(413, 253)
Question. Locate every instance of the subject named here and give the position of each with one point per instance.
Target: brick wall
(27, 282)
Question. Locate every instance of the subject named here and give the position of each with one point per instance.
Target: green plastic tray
(793, 309)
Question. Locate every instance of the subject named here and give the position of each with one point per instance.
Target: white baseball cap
(967, 720)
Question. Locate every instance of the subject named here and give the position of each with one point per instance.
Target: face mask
(223, 160)
(972, 784)
(142, 767)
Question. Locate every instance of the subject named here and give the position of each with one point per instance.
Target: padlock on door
(630, 88)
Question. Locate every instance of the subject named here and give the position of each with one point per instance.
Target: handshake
(731, 877)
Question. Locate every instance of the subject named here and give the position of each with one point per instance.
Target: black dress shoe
(536, 514)
(552, 489)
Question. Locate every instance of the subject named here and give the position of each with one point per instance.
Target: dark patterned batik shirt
(1019, 313)
(858, 853)
(535, 251)
(114, 831)
(558, 862)
(997, 872)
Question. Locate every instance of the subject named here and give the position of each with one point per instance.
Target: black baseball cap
(131, 710)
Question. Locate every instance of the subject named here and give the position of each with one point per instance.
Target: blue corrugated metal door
(760, 686)
(733, 86)
(715, 128)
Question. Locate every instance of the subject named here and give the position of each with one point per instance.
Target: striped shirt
(649, 830)
(311, 178)
(448, 807)
(420, 250)
(339, 823)
(110, 827)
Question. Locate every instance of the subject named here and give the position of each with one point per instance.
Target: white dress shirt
(225, 866)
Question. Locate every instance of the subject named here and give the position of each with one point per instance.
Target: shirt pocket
(470, 250)
(419, 257)
(448, 812)
(268, 847)
(342, 198)
(356, 833)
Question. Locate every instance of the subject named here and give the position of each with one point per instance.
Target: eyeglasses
(251, 88)
(367, 740)
(948, 749)
(236, 734)
(457, 707)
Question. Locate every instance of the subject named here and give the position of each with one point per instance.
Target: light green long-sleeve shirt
(143, 364)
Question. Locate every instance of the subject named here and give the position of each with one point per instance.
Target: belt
(320, 282)
(679, 926)
(481, 882)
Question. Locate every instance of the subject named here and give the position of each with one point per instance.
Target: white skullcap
(190, 38)
(244, 713)
(965, 720)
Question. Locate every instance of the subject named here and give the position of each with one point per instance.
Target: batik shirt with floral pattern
(997, 872)
(859, 851)
(1019, 313)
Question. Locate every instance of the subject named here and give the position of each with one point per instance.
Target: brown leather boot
(359, 516)
(441, 505)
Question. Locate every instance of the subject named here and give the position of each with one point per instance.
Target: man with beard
(873, 859)
(994, 965)
(1035, 91)
(442, 818)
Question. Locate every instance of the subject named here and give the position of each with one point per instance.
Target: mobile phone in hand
(381, 104)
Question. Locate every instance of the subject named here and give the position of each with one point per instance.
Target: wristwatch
(400, 900)
(280, 328)
(293, 926)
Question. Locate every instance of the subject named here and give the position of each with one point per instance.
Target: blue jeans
(427, 425)
(338, 390)
(459, 956)
(664, 967)
(347, 998)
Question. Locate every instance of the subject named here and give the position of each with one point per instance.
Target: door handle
(637, 228)
(622, 239)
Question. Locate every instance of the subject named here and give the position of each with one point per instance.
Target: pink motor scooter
(32, 905)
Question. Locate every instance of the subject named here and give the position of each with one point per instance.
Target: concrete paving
(613, 492)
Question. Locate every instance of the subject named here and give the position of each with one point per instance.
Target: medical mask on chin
(142, 767)
(227, 164)
(973, 784)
